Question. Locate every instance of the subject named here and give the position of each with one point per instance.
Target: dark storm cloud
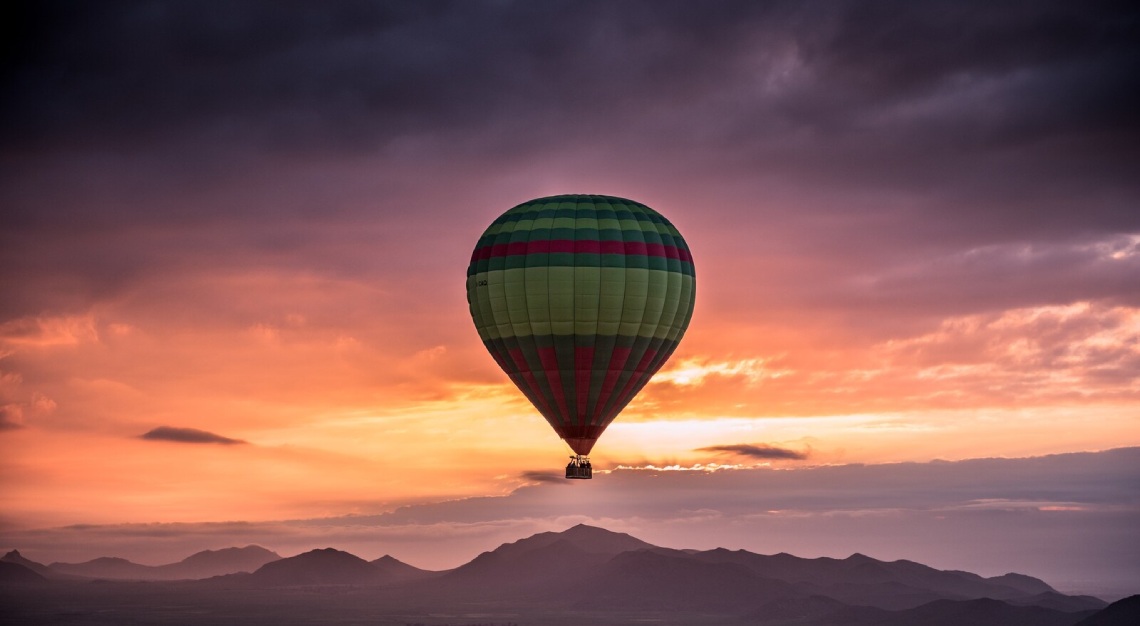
(978, 106)
(186, 435)
(347, 73)
(354, 72)
(756, 451)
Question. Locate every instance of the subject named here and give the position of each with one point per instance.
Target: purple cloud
(756, 451)
(542, 476)
(186, 435)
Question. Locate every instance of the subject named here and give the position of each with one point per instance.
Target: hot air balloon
(580, 299)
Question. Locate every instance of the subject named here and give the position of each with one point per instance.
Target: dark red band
(563, 246)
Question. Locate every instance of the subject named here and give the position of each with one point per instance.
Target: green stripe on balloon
(588, 300)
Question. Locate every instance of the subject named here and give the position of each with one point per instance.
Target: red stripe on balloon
(532, 384)
(583, 363)
(614, 370)
(549, 359)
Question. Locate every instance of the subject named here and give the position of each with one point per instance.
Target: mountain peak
(545, 558)
(599, 540)
(15, 557)
(231, 552)
(581, 537)
(323, 566)
(395, 570)
(1023, 583)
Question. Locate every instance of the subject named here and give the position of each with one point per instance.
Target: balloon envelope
(580, 299)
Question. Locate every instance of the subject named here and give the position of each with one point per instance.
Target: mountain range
(196, 566)
(604, 576)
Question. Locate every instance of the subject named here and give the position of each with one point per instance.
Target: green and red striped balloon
(581, 299)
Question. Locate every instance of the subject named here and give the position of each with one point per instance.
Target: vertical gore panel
(584, 356)
(634, 367)
(560, 285)
(605, 344)
(672, 301)
(535, 289)
(564, 349)
(549, 359)
(636, 295)
(618, 361)
(611, 299)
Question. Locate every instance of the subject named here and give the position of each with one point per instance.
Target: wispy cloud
(15, 415)
(1082, 348)
(756, 451)
(186, 435)
(694, 371)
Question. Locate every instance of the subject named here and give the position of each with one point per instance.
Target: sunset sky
(916, 231)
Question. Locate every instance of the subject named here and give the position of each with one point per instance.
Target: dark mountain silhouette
(218, 562)
(578, 540)
(539, 570)
(43, 570)
(196, 566)
(590, 539)
(860, 579)
(14, 573)
(317, 567)
(541, 565)
(1124, 612)
(584, 571)
(1021, 582)
(593, 569)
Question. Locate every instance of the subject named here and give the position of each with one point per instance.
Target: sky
(234, 243)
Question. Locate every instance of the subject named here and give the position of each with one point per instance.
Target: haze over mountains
(584, 573)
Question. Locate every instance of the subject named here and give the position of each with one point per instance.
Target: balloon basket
(579, 467)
